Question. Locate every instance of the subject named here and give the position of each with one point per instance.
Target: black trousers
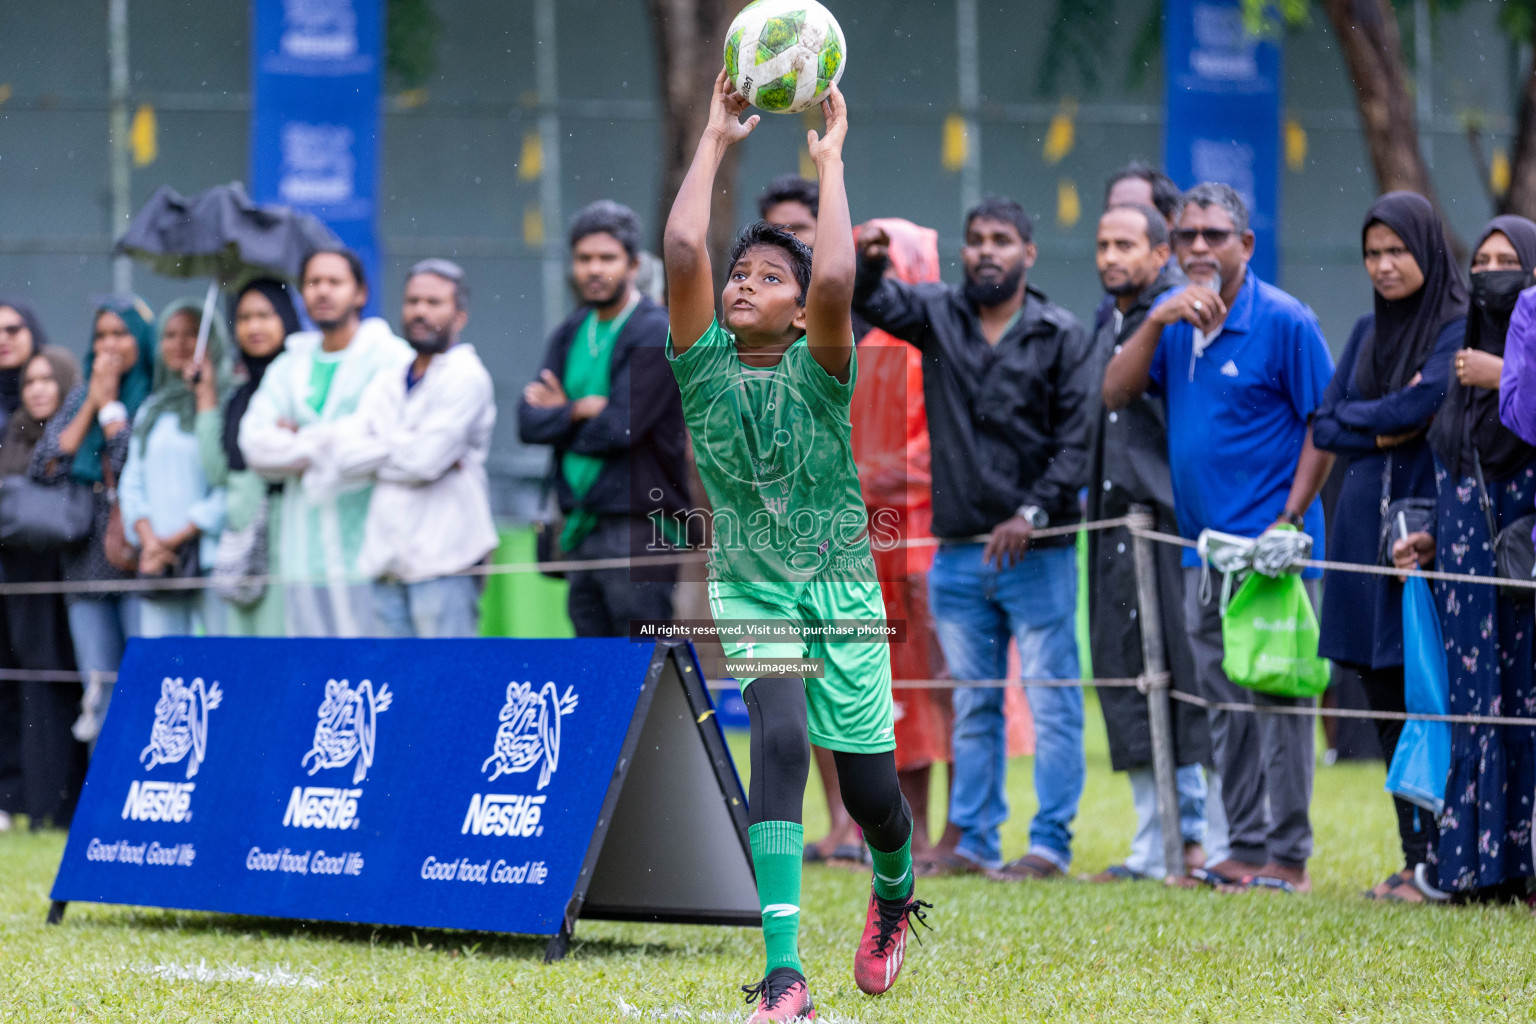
(601, 602)
(781, 763)
(52, 761)
(10, 730)
(1415, 826)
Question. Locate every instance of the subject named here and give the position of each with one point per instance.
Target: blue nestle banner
(315, 142)
(1223, 112)
(442, 783)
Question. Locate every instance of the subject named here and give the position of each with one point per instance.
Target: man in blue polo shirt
(1241, 365)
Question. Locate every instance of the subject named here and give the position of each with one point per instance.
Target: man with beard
(1009, 382)
(1130, 467)
(606, 401)
(1241, 366)
(421, 435)
(288, 430)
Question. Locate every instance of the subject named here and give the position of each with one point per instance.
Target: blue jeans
(1147, 847)
(448, 606)
(100, 628)
(181, 614)
(976, 609)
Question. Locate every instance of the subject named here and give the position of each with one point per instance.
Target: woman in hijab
(1486, 479)
(52, 760)
(88, 435)
(264, 317)
(172, 513)
(21, 336)
(1390, 380)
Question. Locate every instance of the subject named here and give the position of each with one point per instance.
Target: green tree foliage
(410, 42)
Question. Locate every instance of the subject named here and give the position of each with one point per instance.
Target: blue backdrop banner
(463, 784)
(1223, 112)
(317, 78)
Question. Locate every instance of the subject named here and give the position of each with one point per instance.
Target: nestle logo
(159, 801)
(503, 814)
(322, 807)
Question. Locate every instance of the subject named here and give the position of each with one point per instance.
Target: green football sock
(893, 871)
(777, 849)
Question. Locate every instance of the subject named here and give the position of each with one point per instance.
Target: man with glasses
(422, 435)
(1130, 467)
(1241, 366)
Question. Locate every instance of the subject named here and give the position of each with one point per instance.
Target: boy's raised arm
(828, 303)
(685, 246)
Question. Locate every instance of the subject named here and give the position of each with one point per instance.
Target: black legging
(781, 763)
(1416, 827)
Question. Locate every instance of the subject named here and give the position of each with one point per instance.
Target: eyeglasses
(445, 269)
(12, 330)
(1214, 237)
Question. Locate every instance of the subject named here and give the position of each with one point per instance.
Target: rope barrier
(1318, 712)
(140, 586)
(143, 586)
(1132, 523)
(1357, 567)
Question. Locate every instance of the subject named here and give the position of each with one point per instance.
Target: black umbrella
(220, 233)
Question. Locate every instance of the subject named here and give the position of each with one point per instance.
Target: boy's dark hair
(353, 263)
(1009, 211)
(763, 233)
(606, 217)
(1165, 194)
(1157, 228)
(790, 188)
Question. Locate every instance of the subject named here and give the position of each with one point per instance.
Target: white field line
(200, 971)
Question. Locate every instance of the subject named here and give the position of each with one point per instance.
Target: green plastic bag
(1270, 638)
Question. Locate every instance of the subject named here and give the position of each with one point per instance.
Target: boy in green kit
(766, 392)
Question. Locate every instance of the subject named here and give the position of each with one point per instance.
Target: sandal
(1271, 883)
(1426, 888)
(849, 853)
(1213, 879)
(1393, 881)
(1117, 873)
(1029, 868)
(945, 863)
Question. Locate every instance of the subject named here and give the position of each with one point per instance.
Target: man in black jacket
(606, 401)
(1130, 467)
(1009, 380)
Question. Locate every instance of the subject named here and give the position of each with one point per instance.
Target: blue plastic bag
(1421, 765)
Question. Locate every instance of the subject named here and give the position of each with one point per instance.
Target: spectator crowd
(331, 481)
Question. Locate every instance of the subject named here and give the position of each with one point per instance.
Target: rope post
(1155, 685)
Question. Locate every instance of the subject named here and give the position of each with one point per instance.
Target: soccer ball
(784, 55)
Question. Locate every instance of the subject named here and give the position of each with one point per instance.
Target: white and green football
(784, 55)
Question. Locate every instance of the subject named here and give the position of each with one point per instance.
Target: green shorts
(850, 708)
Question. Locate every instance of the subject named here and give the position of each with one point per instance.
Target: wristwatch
(1296, 519)
(1034, 515)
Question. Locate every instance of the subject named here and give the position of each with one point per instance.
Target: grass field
(1055, 951)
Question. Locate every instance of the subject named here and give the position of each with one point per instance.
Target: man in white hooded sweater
(290, 427)
(422, 434)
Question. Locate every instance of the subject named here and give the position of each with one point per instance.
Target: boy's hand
(726, 106)
(830, 145)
